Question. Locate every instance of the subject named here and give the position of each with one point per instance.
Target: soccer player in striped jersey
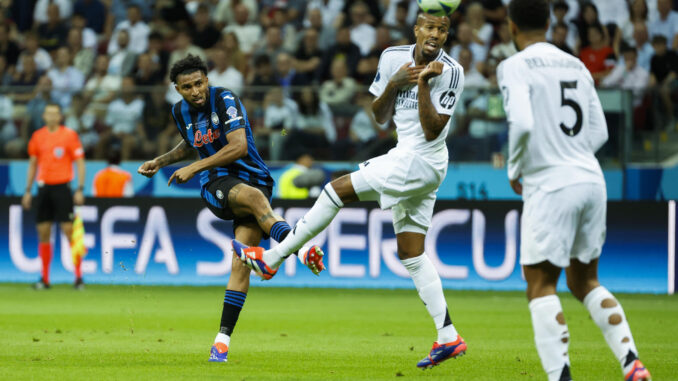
(419, 85)
(235, 182)
(556, 124)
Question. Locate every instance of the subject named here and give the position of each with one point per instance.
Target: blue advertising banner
(474, 245)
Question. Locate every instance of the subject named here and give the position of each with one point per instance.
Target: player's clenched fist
(407, 75)
(182, 175)
(431, 70)
(149, 168)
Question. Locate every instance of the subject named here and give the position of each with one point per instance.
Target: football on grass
(438, 7)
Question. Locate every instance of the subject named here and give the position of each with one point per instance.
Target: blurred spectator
(137, 29)
(225, 12)
(598, 57)
(402, 29)
(329, 10)
(482, 30)
(52, 33)
(642, 44)
(309, 55)
(629, 76)
(42, 59)
(362, 33)
(340, 90)
(288, 33)
(664, 72)
(495, 10)
(373, 15)
(488, 128)
(261, 78)
(83, 58)
(225, 75)
(81, 120)
(587, 18)
(16, 148)
(89, 36)
(102, 86)
(465, 40)
(8, 130)
(174, 14)
(409, 10)
(666, 24)
(248, 34)
(279, 118)
(472, 77)
(505, 47)
(124, 117)
(272, 45)
(8, 49)
(313, 129)
(286, 75)
(560, 13)
(367, 66)
(113, 181)
(612, 11)
(368, 137)
(66, 79)
(229, 42)
(183, 47)
(94, 11)
(41, 10)
(559, 38)
(146, 72)
(571, 11)
(119, 9)
(5, 76)
(326, 32)
(22, 14)
(27, 78)
(204, 33)
(158, 54)
(638, 14)
(122, 61)
(300, 181)
(344, 47)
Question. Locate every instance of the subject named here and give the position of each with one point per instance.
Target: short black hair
(626, 48)
(187, 65)
(560, 4)
(529, 15)
(659, 39)
(114, 154)
(53, 104)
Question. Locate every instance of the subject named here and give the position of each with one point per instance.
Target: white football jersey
(446, 89)
(556, 122)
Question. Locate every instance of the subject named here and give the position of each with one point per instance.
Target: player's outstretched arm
(181, 152)
(431, 122)
(234, 150)
(32, 168)
(382, 107)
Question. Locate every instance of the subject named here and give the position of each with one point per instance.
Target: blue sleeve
(230, 111)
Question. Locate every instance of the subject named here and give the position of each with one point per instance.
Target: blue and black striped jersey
(206, 129)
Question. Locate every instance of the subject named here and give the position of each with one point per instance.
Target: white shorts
(564, 224)
(404, 182)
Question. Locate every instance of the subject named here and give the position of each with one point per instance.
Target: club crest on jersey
(200, 139)
(215, 119)
(220, 194)
(232, 112)
(58, 152)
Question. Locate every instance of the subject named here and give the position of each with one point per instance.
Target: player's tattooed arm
(431, 122)
(382, 107)
(181, 152)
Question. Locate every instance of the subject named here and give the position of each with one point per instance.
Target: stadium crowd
(302, 68)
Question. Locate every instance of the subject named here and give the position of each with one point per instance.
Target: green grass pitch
(165, 333)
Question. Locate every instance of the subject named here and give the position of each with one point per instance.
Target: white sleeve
(516, 92)
(447, 89)
(597, 123)
(128, 190)
(383, 76)
(615, 77)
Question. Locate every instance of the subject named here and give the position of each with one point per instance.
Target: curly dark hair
(529, 14)
(187, 65)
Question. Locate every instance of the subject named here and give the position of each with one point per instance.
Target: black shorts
(54, 203)
(215, 196)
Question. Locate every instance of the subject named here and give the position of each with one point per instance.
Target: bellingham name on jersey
(205, 129)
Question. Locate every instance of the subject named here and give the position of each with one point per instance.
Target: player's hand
(517, 186)
(431, 70)
(26, 200)
(407, 75)
(78, 197)
(182, 175)
(149, 168)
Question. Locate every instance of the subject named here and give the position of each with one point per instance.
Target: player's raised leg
(332, 198)
(246, 200)
(551, 334)
(236, 293)
(608, 314)
(427, 281)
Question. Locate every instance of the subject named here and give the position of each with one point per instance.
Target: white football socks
(550, 335)
(222, 338)
(608, 314)
(321, 214)
(427, 282)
